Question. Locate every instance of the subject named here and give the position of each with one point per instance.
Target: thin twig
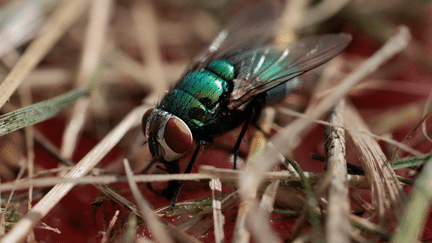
(337, 226)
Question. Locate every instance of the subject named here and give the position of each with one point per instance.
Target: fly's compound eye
(177, 138)
(145, 123)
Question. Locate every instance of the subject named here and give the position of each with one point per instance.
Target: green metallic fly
(229, 82)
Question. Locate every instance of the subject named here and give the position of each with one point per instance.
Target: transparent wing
(249, 28)
(263, 68)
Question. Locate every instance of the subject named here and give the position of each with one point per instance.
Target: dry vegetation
(96, 66)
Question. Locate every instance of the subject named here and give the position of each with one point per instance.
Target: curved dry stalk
(155, 225)
(388, 196)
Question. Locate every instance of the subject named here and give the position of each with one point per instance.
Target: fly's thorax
(168, 136)
(197, 97)
(223, 69)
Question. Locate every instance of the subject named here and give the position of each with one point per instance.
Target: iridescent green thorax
(196, 96)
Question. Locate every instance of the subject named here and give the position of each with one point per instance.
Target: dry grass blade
(105, 179)
(285, 141)
(258, 223)
(219, 220)
(206, 173)
(337, 226)
(388, 196)
(25, 94)
(258, 217)
(226, 175)
(56, 26)
(27, 223)
(94, 41)
(110, 227)
(153, 222)
(269, 196)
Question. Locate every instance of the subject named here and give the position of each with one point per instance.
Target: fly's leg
(242, 134)
(187, 171)
(171, 167)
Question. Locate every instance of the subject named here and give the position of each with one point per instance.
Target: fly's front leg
(187, 171)
(242, 134)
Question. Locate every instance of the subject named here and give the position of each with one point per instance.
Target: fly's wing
(263, 68)
(249, 28)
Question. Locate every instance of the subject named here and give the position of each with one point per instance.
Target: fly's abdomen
(195, 97)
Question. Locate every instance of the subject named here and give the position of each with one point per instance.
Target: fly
(229, 82)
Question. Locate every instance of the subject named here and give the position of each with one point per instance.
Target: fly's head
(168, 136)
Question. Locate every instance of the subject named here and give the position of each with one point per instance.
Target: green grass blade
(314, 215)
(38, 112)
(410, 162)
(412, 223)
